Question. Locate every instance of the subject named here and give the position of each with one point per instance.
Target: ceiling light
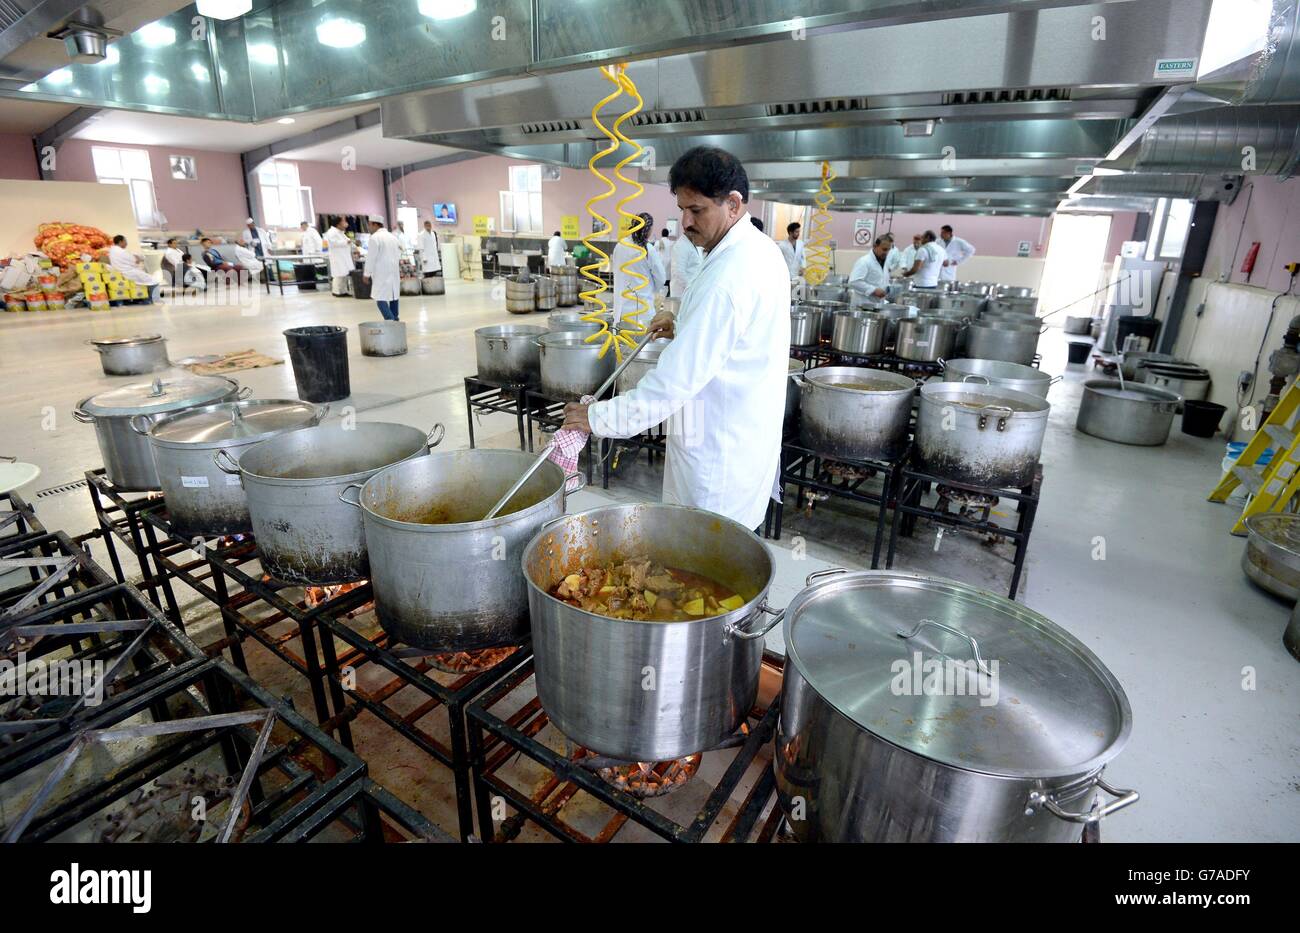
(918, 127)
(200, 72)
(155, 35)
(224, 9)
(263, 53)
(59, 78)
(111, 56)
(340, 33)
(154, 84)
(446, 9)
(285, 120)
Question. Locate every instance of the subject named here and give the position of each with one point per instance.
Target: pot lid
(170, 394)
(1043, 705)
(1131, 392)
(1279, 529)
(255, 419)
(135, 341)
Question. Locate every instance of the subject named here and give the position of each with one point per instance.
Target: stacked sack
(91, 276)
(65, 243)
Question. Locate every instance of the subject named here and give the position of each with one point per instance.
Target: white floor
(1168, 609)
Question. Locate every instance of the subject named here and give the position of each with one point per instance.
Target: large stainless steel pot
(871, 747)
(558, 321)
(860, 333)
(854, 413)
(1126, 413)
(996, 340)
(1188, 382)
(792, 393)
(1078, 326)
(382, 338)
(1132, 362)
(128, 458)
(893, 313)
(1026, 306)
(197, 454)
(445, 579)
(968, 305)
(978, 289)
(506, 353)
(1272, 555)
(1013, 291)
(980, 435)
(641, 364)
(927, 339)
(837, 293)
(592, 672)
(546, 293)
(131, 356)
(805, 326)
(305, 535)
(571, 366)
(521, 294)
(1000, 374)
(827, 309)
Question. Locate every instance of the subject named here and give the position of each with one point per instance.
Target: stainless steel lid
(169, 394)
(136, 341)
(510, 330)
(978, 397)
(860, 379)
(243, 422)
(1047, 707)
(1130, 391)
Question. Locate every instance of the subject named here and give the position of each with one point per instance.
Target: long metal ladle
(546, 451)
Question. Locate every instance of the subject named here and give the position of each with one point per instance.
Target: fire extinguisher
(1248, 264)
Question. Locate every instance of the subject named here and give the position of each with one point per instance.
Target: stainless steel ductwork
(1266, 70)
(1253, 140)
(1196, 187)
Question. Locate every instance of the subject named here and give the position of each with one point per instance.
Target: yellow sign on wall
(569, 228)
(482, 225)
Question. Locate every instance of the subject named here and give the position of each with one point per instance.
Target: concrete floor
(1168, 609)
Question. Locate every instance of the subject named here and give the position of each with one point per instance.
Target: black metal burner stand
(817, 477)
(653, 442)
(497, 737)
(547, 411)
(974, 512)
(17, 517)
(485, 396)
(117, 514)
(365, 812)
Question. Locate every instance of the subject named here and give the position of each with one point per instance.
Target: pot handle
(343, 495)
(98, 348)
(818, 574)
(549, 522)
(800, 380)
(80, 413)
(141, 424)
(974, 645)
(226, 463)
(322, 412)
(969, 376)
(575, 477)
(1123, 799)
(435, 435)
(1055, 379)
(245, 393)
(1001, 412)
(738, 628)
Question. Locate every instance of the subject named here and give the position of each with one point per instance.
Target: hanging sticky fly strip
(632, 326)
(818, 250)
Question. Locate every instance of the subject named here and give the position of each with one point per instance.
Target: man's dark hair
(887, 236)
(880, 241)
(928, 237)
(205, 240)
(642, 235)
(758, 224)
(791, 228)
(556, 233)
(171, 240)
(947, 227)
(663, 232)
(711, 171)
(119, 240)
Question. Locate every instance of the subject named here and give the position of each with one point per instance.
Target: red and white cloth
(566, 446)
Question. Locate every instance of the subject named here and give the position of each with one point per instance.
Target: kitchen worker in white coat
(870, 276)
(720, 383)
(686, 262)
(383, 269)
(649, 267)
(430, 251)
(340, 252)
(928, 264)
(555, 249)
(312, 244)
(957, 251)
(255, 238)
(131, 267)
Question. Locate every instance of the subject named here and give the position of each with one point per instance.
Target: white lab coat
(555, 251)
(868, 275)
(958, 251)
(664, 247)
(430, 252)
(687, 260)
(650, 267)
(247, 259)
(124, 262)
(794, 257)
(311, 242)
(340, 251)
(893, 260)
(383, 265)
(907, 259)
(248, 236)
(932, 255)
(720, 383)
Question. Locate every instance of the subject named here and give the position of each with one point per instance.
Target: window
(521, 206)
(285, 203)
(128, 167)
(1178, 223)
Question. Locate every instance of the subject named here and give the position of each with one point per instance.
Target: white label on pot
(233, 480)
(921, 343)
(194, 482)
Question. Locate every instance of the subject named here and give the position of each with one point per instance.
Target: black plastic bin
(1201, 419)
(319, 356)
(360, 287)
(304, 273)
(1079, 351)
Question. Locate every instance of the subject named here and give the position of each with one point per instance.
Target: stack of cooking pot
(571, 366)
(1126, 412)
(859, 333)
(1000, 375)
(521, 294)
(1183, 379)
(871, 746)
(566, 285)
(507, 353)
(855, 413)
(545, 292)
(980, 435)
(128, 457)
(131, 356)
(197, 455)
(827, 309)
(893, 313)
(993, 338)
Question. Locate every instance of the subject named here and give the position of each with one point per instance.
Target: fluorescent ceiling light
(285, 120)
(154, 84)
(264, 53)
(200, 72)
(155, 35)
(59, 78)
(224, 9)
(340, 33)
(446, 9)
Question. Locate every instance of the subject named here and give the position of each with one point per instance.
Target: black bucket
(320, 362)
(360, 287)
(304, 273)
(1201, 419)
(1079, 351)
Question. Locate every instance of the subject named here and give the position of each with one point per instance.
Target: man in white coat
(383, 269)
(131, 267)
(792, 250)
(430, 251)
(720, 383)
(685, 264)
(957, 250)
(340, 253)
(312, 244)
(928, 264)
(256, 238)
(555, 249)
(870, 275)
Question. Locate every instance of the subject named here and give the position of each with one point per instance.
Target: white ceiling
(153, 129)
(372, 149)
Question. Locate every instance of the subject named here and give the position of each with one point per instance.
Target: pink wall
(17, 157)
(1267, 211)
(214, 202)
(991, 236)
(335, 191)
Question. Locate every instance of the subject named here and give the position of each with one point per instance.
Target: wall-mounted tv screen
(444, 213)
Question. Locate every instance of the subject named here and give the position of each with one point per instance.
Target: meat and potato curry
(645, 590)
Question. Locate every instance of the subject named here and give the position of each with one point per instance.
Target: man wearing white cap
(255, 238)
(383, 268)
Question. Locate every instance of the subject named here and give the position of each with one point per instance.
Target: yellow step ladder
(1273, 486)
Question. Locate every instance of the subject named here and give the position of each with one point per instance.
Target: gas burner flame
(315, 595)
(644, 779)
(470, 662)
